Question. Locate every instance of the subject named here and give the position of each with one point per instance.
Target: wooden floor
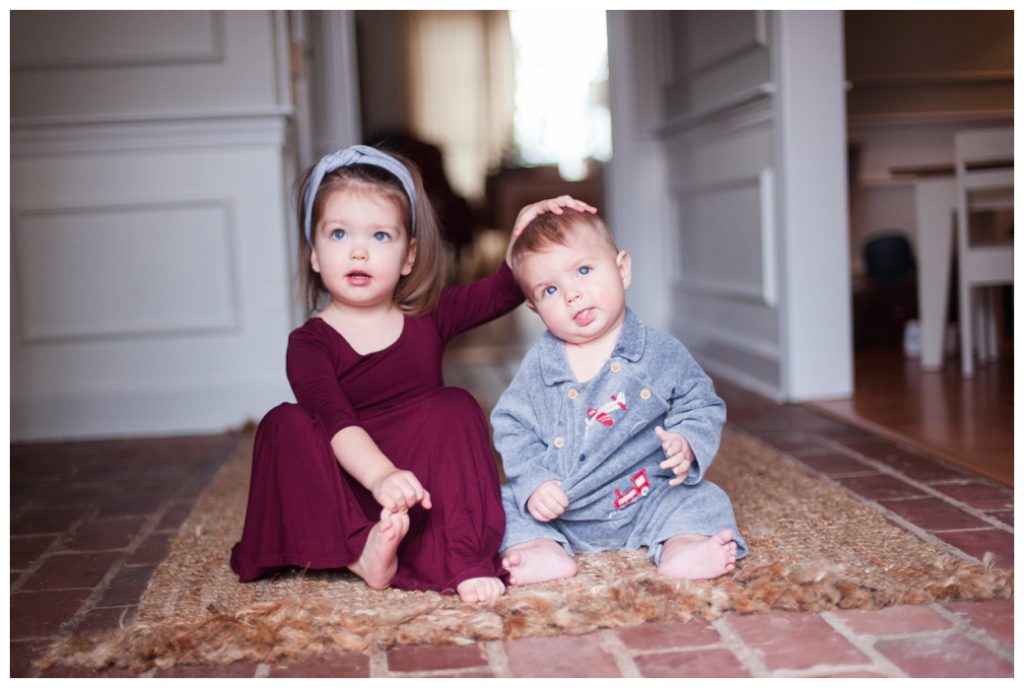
(968, 422)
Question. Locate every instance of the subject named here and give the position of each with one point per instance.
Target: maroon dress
(305, 511)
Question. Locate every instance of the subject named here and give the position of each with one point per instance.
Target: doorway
(914, 78)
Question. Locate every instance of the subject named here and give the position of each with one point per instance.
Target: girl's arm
(393, 488)
(463, 308)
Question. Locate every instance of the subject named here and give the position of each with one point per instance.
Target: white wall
(149, 233)
(635, 188)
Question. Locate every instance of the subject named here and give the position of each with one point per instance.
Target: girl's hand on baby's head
(400, 490)
(678, 452)
(549, 205)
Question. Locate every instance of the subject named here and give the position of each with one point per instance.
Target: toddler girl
(379, 467)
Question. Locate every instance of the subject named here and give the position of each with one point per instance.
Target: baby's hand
(399, 491)
(679, 454)
(550, 205)
(547, 502)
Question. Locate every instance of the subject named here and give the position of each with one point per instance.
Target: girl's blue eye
(585, 270)
(338, 234)
(381, 236)
(548, 291)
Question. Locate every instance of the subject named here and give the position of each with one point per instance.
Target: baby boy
(608, 427)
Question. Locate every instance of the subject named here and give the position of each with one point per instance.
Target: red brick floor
(91, 520)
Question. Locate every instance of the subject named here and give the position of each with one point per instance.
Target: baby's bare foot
(696, 557)
(536, 562)
(379, 561)
(476, 590)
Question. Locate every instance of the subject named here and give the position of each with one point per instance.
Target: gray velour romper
(598, 438)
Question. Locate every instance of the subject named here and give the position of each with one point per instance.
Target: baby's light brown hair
(548, 228)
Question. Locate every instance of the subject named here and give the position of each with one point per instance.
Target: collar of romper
(554, 367)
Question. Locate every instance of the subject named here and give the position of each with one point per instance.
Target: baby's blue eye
(585, 270)
(381, 236)
(338, 234)
(548, 291)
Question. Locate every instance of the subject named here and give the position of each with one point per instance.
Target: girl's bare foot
(695, 557)
(537, 561)
(476, 590)
(379, 561)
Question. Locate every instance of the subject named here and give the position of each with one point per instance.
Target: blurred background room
(766, 169)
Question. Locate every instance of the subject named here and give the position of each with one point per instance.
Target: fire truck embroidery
(603, 415)
(641, 486)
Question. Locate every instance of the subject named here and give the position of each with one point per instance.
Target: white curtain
(462, 90)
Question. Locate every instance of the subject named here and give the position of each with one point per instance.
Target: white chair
(984, 180)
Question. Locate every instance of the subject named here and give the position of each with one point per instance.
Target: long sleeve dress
(305, 511)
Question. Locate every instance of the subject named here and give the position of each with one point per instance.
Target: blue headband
(357, 155)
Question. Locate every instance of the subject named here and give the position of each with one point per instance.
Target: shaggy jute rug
(812, 547)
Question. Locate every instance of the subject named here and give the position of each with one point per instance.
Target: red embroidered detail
(603, 415)
(641, 486)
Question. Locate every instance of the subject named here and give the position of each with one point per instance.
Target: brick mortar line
(622, 655)
(962, 530)
(101, 551)
(378, 663)
(824, 671)
(678, 650)
(82, 587)
(173, 502)
(866, 644)
(924, 487)
(803, 451)
(845, 474)
(913, 635)
(749, 658)
(974, 633)
(452, 672)
(494, 651)
(968, 481)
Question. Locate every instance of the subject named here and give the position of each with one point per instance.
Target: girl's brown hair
(416, 293)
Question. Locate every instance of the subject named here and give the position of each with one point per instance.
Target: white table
(935, 203)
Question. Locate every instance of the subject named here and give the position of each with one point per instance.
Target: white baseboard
(153, 412)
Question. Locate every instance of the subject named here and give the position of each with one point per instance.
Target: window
(561, 93)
